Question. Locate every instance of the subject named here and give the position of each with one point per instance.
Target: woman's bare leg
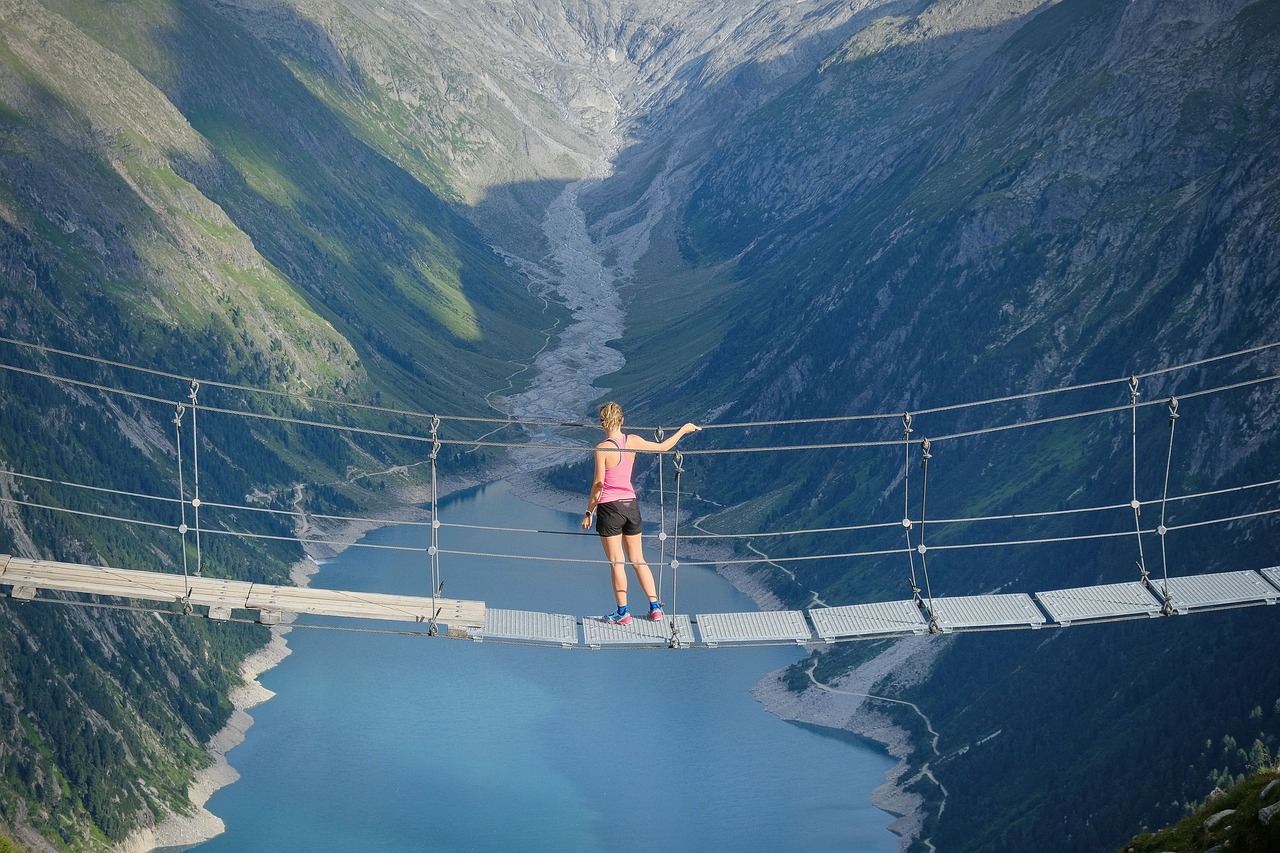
(635, 553)
(617, 566)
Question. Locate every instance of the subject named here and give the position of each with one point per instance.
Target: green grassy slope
(175, 194)
(942, 214)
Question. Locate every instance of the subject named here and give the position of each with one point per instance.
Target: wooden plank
(95, 580)
(219, 592)
(219, 613)
(222, 594)
(366, 605)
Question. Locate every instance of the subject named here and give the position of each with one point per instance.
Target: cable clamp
(906, 425)
(1173, 409)
(195, 390)
(1133, 389)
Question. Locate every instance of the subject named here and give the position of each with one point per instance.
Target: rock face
(786, 209)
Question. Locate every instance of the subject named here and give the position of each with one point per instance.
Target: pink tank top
(617, 480)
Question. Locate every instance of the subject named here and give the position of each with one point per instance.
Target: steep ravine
(576, 276)
(564, 388)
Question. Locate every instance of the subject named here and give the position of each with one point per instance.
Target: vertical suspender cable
(1135, 503)
(1164, 499)
(433, 551)
(906, 502)
(658, 435)
(674, 640)
(195, 471)
(925, 456)
(178, 412)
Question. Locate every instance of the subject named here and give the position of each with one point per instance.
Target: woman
(613, 500)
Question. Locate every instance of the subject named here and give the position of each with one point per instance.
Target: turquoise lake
(384, 742)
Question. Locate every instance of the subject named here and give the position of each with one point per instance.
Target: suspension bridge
(1146, 595)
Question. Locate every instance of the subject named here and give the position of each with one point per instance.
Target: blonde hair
(611, 416)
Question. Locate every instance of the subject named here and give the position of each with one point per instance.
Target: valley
(786, 215)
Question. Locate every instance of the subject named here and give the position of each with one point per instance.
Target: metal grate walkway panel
(1272, 574)
(1090, 603)
(641, 632)
(986, 611)
(1196, 592)
(528, 625)
(471, 619)
(886, 618)
(764, 626)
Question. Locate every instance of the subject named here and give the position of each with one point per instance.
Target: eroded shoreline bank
(182, 831)
(843, 708)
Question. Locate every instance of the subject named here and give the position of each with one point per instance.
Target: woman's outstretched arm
(636, 442)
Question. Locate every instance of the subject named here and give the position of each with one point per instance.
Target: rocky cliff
(797, 209)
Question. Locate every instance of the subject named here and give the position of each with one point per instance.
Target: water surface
(385, 742)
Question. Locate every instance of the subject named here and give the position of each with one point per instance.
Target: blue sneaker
(616, 618)
(655, 613)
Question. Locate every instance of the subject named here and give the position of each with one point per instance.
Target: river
(387, 742)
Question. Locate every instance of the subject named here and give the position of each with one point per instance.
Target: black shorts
(618, 517)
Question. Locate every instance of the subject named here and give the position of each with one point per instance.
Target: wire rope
(182, 489)
(195, 465)
(1079, 537)
(906, 502)
(925, 456)
(659, 434)
(574, 424)
(434, 551)
(673, 641)
(1162, 529)
(1135, 503)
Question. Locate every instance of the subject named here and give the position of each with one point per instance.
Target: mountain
(805, 210)
(964, 204)
(173, 195)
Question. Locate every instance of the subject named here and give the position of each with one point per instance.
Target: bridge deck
(1093, 603)
(1200, 592)
(27, 577)
(472, 619)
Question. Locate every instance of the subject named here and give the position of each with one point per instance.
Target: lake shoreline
(176, 831)
(841, 711)
(841, 708)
